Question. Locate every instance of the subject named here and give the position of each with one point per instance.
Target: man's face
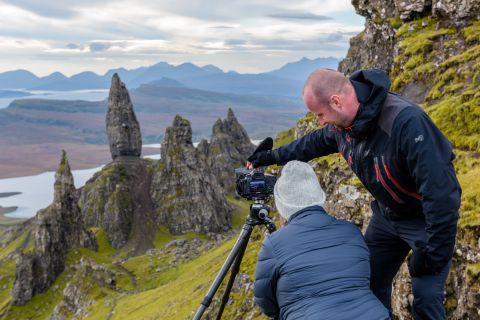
(327, 113)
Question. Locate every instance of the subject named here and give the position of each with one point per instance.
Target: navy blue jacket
(399, 155)
(314, 268)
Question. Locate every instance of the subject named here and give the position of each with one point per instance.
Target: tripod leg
(233, 274)
(242, 238)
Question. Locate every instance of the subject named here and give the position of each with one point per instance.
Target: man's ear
(335, 101)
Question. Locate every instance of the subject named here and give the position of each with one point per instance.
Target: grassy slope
(172, 293)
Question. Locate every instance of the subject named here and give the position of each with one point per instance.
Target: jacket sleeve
(428, 156)
(264, 288)
(318, 143)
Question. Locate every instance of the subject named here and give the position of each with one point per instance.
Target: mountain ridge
(207, 77)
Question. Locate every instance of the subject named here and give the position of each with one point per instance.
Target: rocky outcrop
(186, 193)
(117, 199)
(77, 295)
(123, 130)
(380, 36)
(454, 10)
(377, 45)
(228, 149)
(57, 229)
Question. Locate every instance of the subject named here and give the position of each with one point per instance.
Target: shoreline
(6, 195)
(6, 210)
(45, 158)
(5, 221)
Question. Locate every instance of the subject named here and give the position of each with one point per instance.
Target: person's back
(316, 267)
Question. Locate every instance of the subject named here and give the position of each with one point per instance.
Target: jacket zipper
(395, 182)
(384, 184)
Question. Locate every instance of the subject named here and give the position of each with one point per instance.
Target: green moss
(284, 137)
(473, 273)
(13, 246)
(453, 100)
(355, 182)
(450, 305)
(470, 205)
(395, 22)
(414, 62)
(472, 33)
(7, 272)
(241, 211)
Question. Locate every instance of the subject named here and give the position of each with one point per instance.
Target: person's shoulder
(346, 224)
(407, 108)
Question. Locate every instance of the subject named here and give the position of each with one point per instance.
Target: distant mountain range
(286, 81)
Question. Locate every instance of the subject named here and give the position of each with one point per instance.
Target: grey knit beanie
(297, 188)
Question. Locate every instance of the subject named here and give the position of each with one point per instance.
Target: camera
(254, 184)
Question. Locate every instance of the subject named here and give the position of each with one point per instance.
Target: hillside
(168, 282)
(34, 130)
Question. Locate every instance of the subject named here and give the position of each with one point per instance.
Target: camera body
(254, 184)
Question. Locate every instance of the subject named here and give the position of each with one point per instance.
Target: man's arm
(428, 156)
(318, 143)
(264, 288)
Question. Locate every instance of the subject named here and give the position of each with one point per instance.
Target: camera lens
(262, 214)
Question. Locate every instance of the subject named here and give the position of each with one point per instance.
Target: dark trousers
(389, 243)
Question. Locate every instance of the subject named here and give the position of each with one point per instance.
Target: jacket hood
(371, 87)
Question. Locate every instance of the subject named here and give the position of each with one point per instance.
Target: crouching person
(316, 267)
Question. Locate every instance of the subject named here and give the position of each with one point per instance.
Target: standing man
(404, 161)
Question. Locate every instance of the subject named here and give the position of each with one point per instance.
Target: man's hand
(262, 156)
(418, 261)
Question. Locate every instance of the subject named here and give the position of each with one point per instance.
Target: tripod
(258, 216)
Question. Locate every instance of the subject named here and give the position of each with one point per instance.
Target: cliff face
(117, 199)
(123, 130)
(57, 229)
(377, 46)
(228, 149)
(186, 193)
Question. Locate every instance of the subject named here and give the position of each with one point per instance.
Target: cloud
(65, 9)
(298, 16)
(125, 33)
(72, 46)
(221, 27)
(51, 9)
(235, 42)
(99, 46)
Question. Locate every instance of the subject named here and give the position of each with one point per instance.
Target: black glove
(418, 262)
(262, 156)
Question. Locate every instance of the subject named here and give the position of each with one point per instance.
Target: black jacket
(399, 155)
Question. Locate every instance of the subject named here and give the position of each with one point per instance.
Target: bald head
(325, 82)
(331, 96)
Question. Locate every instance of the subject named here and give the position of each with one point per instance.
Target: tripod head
(259, 215)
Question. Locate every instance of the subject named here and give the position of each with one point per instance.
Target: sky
(247, 36)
